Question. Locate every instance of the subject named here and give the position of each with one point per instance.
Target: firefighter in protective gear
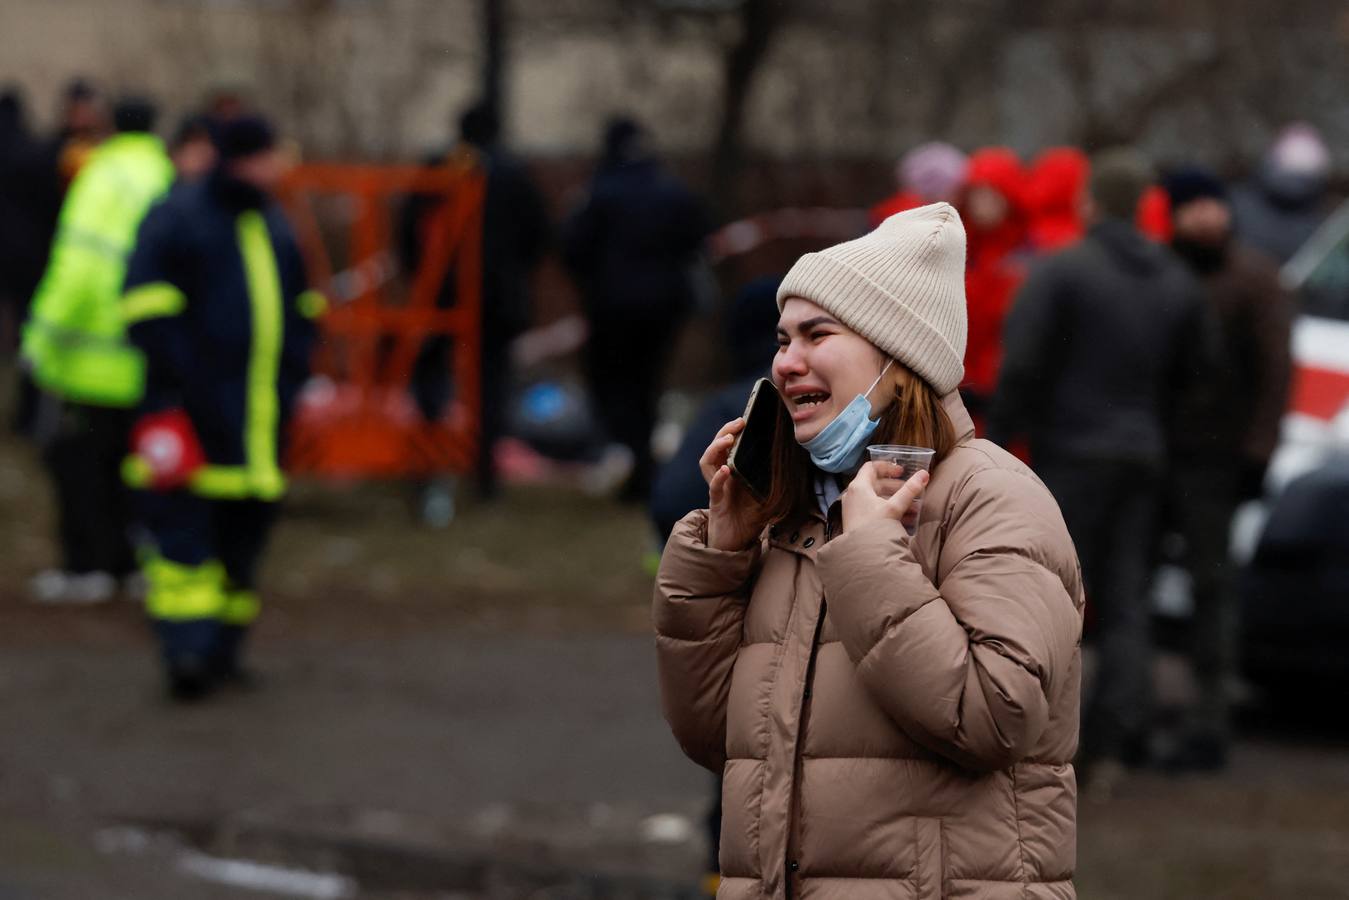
(75, 346)
(216, 299)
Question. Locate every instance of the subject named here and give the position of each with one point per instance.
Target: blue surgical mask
(839, 445)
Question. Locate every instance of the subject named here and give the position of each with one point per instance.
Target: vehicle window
(1326, 290)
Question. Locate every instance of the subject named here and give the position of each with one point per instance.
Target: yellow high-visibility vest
(75, 338)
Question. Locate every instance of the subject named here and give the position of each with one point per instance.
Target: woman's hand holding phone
(734, 517)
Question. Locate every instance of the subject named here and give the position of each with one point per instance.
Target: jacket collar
(793, 536)
(959, 416)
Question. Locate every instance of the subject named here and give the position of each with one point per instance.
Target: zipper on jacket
(833, 521)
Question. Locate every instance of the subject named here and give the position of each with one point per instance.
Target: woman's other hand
(863, 502)
(734, 517)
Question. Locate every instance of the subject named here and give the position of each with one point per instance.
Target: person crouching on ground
(895, 714)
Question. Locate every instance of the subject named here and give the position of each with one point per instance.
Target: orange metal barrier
(358, 418)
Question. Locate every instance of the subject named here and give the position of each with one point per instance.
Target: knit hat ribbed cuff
(868, 309)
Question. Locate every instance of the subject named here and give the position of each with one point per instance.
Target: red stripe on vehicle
(1319, 393)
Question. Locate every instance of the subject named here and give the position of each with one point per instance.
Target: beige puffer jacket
(895, 716)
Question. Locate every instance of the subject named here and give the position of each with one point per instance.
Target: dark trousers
(202, 572)
(432, 387)
(83, 450)
(625, 366)
(1110, 509)
(1205, 498)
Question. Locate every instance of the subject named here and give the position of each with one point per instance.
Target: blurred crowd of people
(1016, 211)
(1129, 334)
(1159, 291)
(164, 324)
(631, 246)
(162, 315)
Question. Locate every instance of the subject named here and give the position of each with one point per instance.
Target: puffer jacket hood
(1056, 182)
(894, 715)
(1000, 169)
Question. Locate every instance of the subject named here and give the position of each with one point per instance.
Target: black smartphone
(751, 458)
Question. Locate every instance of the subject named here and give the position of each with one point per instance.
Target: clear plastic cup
(895, 464)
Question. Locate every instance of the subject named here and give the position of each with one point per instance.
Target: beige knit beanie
(902, 287)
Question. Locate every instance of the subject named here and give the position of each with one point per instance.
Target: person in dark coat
(1232, 419)
(40, 178)
(217, 300)
(515, 235)
(22, 239)
(632, 248)
(24, 236)
(1286, 201)
(1098, 340)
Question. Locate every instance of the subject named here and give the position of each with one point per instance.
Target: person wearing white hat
(1287, 197)
(891, 690)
